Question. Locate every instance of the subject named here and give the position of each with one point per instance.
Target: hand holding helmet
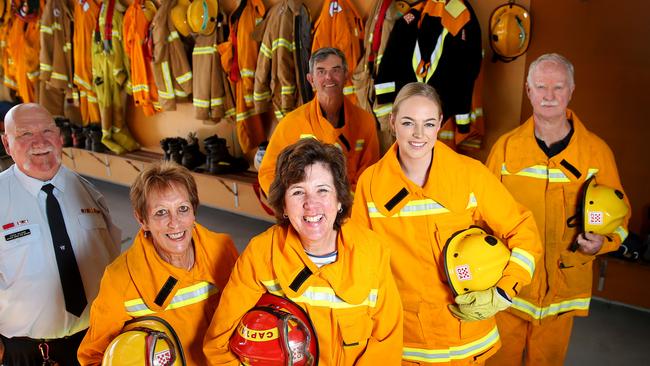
(480, 305)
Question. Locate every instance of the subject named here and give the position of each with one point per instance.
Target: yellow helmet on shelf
(509, 31)
(179, 19)
(202, 16)
(474, 260)
(147, 340)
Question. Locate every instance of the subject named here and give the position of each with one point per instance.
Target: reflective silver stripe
(591, 172)
(322, 296)
(413, 208)
(288, 89)
(557, 176)
(46, 29)
(215, 102)
(201, 103)
(462, 119)
(57, 76)
(82, 82)
(307, 136)
(168, 93)
(383, 110)
(281, 42)
(523, 259)
(446, 135)
(621, 232)
(207, 50)
(359, 145)
(259, 97)
(264, 50)
(173, 35)
(183, 297)
(348, 90)
(45, 67)
(384, 88)
(243, 115)
(247, 73)
(452, 353)
(185, 77)
(433, 61)
(471, 203)
(553, 309)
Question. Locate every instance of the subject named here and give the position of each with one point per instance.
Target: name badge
(17, 235)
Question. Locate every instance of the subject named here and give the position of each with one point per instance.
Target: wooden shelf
(228, 192)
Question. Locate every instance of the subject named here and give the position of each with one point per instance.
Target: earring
(340, 209)
(285, 216)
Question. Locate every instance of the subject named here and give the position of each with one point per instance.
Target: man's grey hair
(552, 57)
(323, 53)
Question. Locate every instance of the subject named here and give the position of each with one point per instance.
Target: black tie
(73, 287)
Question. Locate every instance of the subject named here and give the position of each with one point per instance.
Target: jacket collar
(348, 277)
(522, 150)
(149, 272)
(389, 182)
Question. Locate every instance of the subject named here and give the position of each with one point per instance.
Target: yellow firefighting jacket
(5, 56)
(56, 56)
(135, 282)
(23, 45)
(417, 221)
(550, 188)
(171, 68)
(136, 35)
(86, 13)
(110, 67)
(277, 76)
(212, 96)
(339, 25)
(357, 138)
(353, 303)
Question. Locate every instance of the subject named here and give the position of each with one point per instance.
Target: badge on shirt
(17, 235)
(10, 225)
(91, 210)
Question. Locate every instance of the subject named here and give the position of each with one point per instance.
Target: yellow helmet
(183, 2)
(179, 19)
(509, 31)
(474, 260)
(149, 9)
(202, 16)
(147, 340)
(603, 208)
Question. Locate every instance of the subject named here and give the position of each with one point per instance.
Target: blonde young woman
(417, 196)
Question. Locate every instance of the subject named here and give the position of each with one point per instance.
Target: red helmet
(275, 332)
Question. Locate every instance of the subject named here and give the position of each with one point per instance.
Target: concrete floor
(612, 335)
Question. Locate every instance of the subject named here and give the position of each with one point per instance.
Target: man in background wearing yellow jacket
(544, 163)
(330, 117)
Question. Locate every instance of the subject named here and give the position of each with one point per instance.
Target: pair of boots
(119, 140)
(182, 151)
(89, 137)
(66, 130)
(219, 160)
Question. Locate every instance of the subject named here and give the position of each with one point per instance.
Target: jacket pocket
(20, 253)
(92, 221)
(355, 328)
(575, 274)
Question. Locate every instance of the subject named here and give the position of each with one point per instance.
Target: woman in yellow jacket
(175, 269)
(417, 196)
(334, 269)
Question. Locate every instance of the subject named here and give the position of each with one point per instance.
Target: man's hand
(479, 305)
(590, 243)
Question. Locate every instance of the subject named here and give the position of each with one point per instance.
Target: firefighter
(545, 163)
(175, 269)
(417, 196)
(330, 117)
(335, 269)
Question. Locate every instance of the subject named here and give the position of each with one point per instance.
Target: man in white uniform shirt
(56, 238)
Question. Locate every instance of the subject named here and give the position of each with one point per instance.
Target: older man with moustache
(55, 240)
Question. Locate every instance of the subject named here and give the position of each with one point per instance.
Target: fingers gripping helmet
(474, 260)
(148, 341)
(509, 31)
(602, 209)
(275, 332)
(202, 16)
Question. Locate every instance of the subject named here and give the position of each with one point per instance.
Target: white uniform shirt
(31, 297)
